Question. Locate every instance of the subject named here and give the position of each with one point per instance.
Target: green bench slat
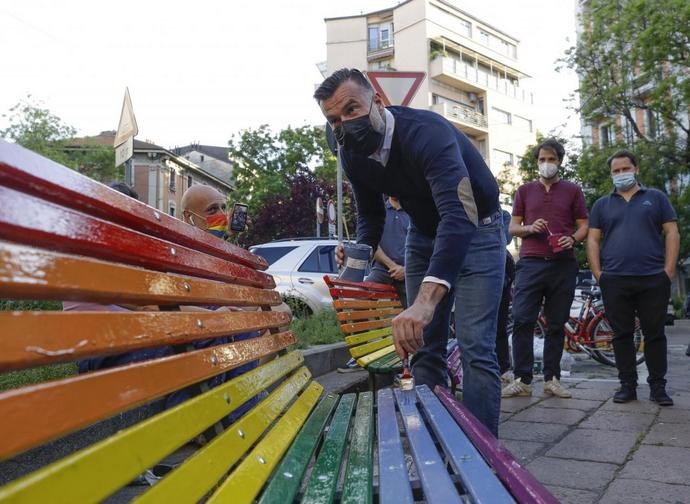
(387, 364)
(358, 480)
(324, 478)
(287, 478)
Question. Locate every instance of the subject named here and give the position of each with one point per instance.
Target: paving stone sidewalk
(589, 449)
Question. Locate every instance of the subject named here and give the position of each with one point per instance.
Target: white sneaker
(554, 387)
(507, 377)
(517, 389)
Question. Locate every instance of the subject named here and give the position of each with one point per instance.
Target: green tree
(36, 128)
(264, 161)
(633, 61)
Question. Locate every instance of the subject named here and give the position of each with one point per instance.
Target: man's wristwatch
(574, 239)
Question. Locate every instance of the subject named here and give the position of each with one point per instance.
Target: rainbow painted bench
(66, 237)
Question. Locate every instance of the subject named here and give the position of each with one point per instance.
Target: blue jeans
(476, 293)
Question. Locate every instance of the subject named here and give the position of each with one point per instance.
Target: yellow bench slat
(96, 472)
(244, 484)
(368, 336)
(193, 479)
(367, 359)
(361, 350)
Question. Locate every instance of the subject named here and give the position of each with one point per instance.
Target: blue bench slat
(394, 484)
(437, 485)
(476, 476)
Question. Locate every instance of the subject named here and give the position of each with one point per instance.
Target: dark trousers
(647, 297)
(550, 281)
(502, 348)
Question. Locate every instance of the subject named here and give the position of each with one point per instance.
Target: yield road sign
(124, 151)
(396, 88)
(128, 123)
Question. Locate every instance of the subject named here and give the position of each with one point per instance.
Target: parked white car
(298, 266)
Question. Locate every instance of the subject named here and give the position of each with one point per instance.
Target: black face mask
(358, 135)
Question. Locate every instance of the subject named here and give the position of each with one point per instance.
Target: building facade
(474, 78)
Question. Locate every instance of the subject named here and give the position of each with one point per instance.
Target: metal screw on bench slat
(227, 400)
(186, 286)
(261, 459)
(241, 433)
(199, 323)
(173, 251)
(157, 215)
(214, 360)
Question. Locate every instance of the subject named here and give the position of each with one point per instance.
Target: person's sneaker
(554, 387)
(507, 377)
(517, 389)
(349, 367)
(625, 394)
(657, 393)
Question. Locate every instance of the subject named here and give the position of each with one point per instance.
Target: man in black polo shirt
(632, 249)
(550, 216)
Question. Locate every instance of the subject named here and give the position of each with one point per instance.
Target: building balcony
(461, 75)
(465, 118)
(379, 51)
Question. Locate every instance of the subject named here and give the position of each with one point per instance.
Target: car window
(321, 260)
(272, 254)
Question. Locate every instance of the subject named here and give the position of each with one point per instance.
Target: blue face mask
(624, 181)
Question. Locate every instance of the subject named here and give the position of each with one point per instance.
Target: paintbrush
(406, 379)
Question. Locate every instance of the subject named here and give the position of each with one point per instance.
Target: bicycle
(590, 331)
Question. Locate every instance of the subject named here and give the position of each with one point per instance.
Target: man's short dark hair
(552, 145)
(124, 189)
(622, 154)
(328, 86)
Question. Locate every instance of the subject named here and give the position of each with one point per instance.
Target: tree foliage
(35, 127)
(633, 61)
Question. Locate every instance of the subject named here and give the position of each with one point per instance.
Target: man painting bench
(63, 236)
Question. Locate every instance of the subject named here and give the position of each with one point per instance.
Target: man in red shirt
(551, 217)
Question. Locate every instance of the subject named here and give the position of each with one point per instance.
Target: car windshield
(272, 254)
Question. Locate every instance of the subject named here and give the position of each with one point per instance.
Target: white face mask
(548, 170)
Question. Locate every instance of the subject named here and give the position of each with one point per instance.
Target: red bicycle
(590, 331)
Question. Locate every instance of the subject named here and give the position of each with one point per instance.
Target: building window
(171, 209)
(129, 173)
(380, 37)
(190, 181)
(501, 158)
(484, 37)
(650, 123)
(482, 148)
(465, 28)
(173, 176)
(522, 123)
(501, 116)
(606, 135)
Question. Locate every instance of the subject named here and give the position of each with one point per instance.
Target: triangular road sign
(396, 88)
(128, 123)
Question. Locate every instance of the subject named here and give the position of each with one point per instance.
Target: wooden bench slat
(386, 364)
(64, 277)
(324, 478)
(394, 484)
(368, 359)
(374, 286)
(360, 463)
(356, 339)
(198, 474)
(367, 314)
(243, 485)
(362, 294)
(94, 473)
(359, 351)
(64, 337)
(436, 482)
(365, 326)
(353, 304)
(32, 221)
(38, 413)
(31, 173)
(287, 478)
(479, 481)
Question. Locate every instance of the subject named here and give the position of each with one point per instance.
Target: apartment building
(474, 77)
(160, 176)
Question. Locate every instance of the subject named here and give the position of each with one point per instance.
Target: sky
(202, 71)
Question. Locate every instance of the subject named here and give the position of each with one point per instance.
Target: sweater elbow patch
(466, 197)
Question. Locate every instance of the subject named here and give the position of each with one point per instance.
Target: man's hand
(538, 226)
(597, 275)
(339, 254)
(566, 242)
(397, 272)
(670, 274)
(408, 327)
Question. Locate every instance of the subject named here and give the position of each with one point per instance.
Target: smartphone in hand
(238, 222)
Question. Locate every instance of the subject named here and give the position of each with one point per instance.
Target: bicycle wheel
(602, 336)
